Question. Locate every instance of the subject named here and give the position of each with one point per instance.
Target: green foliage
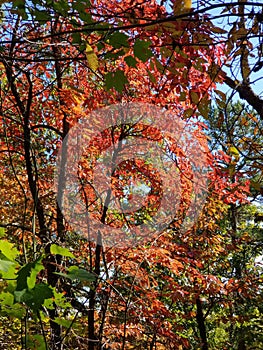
(141, 50)
(8, 250)
(35, 341)
(131, 61)
(118, 40)
(235, 129)
(42, 15)
(75, 273)
(2, 232)
(5, 267)
(57, 299)
(26, 276)
(34, 298)
(80, 7)
(8, 255)
(116, 80)
(63, 322)
(56, 249)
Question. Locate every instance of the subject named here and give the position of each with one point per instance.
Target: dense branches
(196, 283)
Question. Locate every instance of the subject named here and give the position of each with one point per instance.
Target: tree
(234, 130)
(63, 59)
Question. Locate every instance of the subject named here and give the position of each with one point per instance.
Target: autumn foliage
(197, 282)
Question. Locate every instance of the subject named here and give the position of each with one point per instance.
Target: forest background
(194, 288)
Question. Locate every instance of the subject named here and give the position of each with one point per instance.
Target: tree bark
(245, 93)
(93, 340)
(201, 324)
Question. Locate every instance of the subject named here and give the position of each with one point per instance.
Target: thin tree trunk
(93, 340)
(201, 324)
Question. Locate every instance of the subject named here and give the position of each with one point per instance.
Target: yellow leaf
(233, 151)
(182, 6)
(92, 58)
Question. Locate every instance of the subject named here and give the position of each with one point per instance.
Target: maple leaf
(92, 58)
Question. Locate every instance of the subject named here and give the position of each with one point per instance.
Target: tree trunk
(93, 340)
(201, 324)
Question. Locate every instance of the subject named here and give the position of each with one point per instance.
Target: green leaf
(8, 250)
(19, 295)
(19, 8)
(131, 61)
(63, 322)
(34, 298)
(151, 77)
(81, 274)
(2, 232)
(22, 275)
(141, 50)
(188, 113)
(36, 341)
(75, 273)
(182, 96)
(115, 80)
(61, 6)
(194, 97)
(6, 299)
(36, 268)
(114, 55)
(80, 7)
(118, 40)
(40, 293)
(42, 15)
(8, 268)
(57, 299)
(14, 310)
(204, 108)
(5, 265)
(26, 276)
(49, 304)
(159, 66)
(76, 38)
(57, 250)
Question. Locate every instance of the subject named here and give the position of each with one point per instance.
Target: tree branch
(245, 93)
